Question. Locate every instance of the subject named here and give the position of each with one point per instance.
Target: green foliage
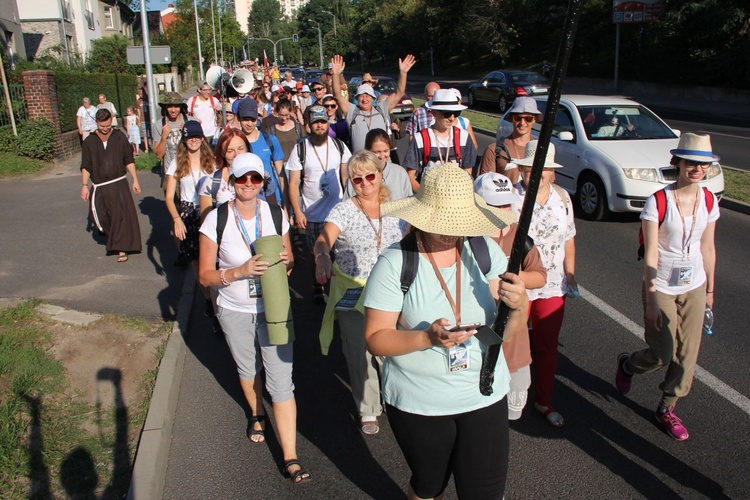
(12, 165)
(146, 161)
(7, 139)
(73, 86)
(36, 139)
(263, 20)
(109, 54)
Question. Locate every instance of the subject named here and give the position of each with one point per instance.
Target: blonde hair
(366, 162)
(183, 159)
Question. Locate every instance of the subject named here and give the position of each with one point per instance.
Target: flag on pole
(244, 53)
(265, 58)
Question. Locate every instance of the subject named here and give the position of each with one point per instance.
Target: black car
(501, 87)
(313, 75)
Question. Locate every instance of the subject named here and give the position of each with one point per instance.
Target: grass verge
(737, 185)
(12, 165)
(54, 443)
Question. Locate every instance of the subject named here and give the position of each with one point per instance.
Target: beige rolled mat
(275, 288)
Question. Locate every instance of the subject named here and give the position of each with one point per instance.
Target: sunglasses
(331, 106)
(358, 180)
(448, 114)
(695, 164)
(256, 179)
(526, 118)
(316, 89)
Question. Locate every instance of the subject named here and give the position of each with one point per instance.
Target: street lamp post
(320, 41)
(198, 32)
(335, 36)
(250, 39)
(213, 26)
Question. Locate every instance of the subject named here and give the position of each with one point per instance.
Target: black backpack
(222, 215)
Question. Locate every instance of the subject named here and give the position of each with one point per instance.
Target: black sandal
(298, 476)
(252, 431)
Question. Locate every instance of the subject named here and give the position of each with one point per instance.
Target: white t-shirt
(188, 185)
(223, 195)
(316, 179)
(205, 111)
(88, 118)
(672, 258)
(240, 295)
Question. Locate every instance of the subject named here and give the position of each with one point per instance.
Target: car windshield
(528, 78)
(612, 123)
(386, 86)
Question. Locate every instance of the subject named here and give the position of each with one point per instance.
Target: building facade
(11, 32)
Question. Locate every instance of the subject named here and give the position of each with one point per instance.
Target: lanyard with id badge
(253, 283)
(459, 358)
(682, 269)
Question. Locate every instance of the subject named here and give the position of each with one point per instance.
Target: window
(109, 21)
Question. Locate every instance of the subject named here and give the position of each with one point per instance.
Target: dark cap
(191, 128)
(248, 108)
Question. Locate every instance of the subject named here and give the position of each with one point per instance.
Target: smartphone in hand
(464, 327)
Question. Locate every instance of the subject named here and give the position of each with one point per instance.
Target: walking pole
(487, 375)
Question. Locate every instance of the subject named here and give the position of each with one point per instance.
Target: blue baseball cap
(191, 128)
(248, 108)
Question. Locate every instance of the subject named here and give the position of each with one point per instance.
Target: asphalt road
(610, 446)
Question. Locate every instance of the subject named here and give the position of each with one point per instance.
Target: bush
(7, 139)
(36, 139)
(147, 161)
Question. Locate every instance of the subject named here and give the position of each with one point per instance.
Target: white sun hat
(528, 159)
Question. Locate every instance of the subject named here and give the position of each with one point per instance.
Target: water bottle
(708, 321)
(573, 292)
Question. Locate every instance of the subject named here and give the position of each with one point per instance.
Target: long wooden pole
(7, 99)
(489, 361)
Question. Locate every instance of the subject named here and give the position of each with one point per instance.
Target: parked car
(299, 75)
(614, 153)
(501, 87)
(313, 75)
(385, 85)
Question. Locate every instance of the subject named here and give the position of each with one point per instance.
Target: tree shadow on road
(610, 443)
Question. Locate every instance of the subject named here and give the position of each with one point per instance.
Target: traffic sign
(160, 54)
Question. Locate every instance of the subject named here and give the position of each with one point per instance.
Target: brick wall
(41, 100)
(70, 144)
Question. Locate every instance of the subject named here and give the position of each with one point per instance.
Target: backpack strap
(192, 104)
(561, 192)
(426, 147)
(339, 146)
(222, 214)
(302, 153)
(410, 264)
(457, 144)
(481, 253)
(709, 199)
(276, 215)
(660, 197)
(215, 185)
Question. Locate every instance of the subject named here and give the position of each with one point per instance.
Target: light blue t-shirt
(419, 382)
(269, 153)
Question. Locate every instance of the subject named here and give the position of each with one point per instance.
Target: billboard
(643, 11)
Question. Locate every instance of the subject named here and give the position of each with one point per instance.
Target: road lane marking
(701, 374)
(725, 135)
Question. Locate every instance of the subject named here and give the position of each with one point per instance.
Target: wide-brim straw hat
(695, 147)
(446, 204)
(528, 159)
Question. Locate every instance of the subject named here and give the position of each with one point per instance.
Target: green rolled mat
(275, 288)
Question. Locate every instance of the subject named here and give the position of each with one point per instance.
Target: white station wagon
(614, 152)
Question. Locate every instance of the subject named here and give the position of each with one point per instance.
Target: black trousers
(472, 446)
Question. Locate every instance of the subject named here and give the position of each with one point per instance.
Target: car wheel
(471, 101)
(502, 103)
(592, 198)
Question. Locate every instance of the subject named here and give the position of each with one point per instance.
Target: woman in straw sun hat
(553, 231)
(441, 421)
(678, 279)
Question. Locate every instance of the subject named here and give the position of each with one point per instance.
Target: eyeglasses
(519, 118)
(449, 114)
(358, 180)
(317, 89)
(331, 106)
(256, 179)
(695, 164)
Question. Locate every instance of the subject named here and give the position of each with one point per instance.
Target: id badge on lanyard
(459, 358)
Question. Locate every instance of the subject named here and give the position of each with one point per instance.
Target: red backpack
(427, 146)
(661, 208)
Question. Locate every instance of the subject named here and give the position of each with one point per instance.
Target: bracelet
(710, 291)
(223, 277)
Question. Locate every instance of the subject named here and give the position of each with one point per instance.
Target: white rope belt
(93, 199)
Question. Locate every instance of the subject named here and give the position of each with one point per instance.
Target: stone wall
(70, 144)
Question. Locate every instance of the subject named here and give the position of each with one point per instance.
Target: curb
(152, 455)
(728, 203)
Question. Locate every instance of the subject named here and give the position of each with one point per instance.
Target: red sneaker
(672, 424)
(623, 381)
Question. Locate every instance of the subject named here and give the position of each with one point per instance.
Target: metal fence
(18, 104)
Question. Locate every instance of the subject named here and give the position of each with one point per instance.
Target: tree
(263, 20)
(109, 55)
